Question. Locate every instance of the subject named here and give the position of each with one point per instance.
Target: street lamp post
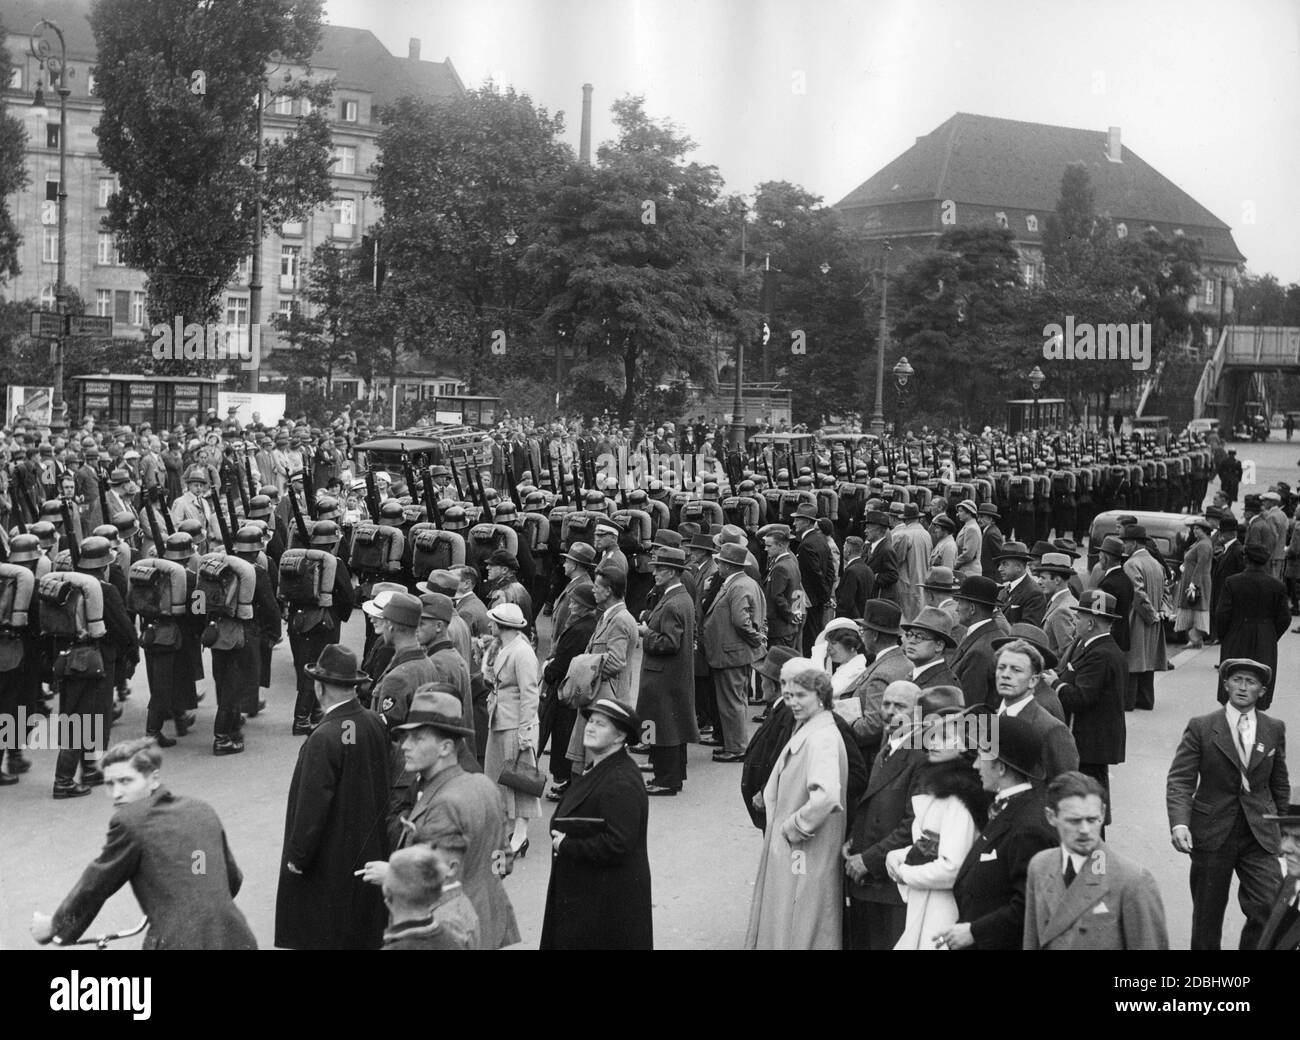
(40, 48)
(737, 405)
(903, 373)
(878, 414)
(1036, 379)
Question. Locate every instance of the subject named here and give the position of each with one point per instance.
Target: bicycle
(101, 942)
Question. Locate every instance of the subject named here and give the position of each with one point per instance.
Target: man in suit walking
(1253, 615)
(857, 583)
(734, 637)
(925, 638)
(880, 636)
(1282, 929)
(816, 571)
(882, 822)
(880, 555)
(782, 589)
(1054, 573)
(969, 540)
(972, 663)
(152, 843)
(1082, 895)
(1090, 681)
(990, 886)
(666, 701)
(1020, 598)
(1018, 666)
(1228, 774)
(991, 543)
(1114, 582)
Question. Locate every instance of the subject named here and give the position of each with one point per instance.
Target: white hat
(508, 615)
(383, 592)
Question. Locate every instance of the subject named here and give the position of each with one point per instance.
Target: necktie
(1070, 873)
(1243, 739)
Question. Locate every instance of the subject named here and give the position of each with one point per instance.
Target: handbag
(521, 777)
(1192, 595)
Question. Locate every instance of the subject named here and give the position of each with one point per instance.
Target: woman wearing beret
(511, 667)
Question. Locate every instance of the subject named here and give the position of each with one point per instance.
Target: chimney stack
(1113, 150)
(413, 49)
(584, 140)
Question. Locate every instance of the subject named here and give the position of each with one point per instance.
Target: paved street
(703, 850)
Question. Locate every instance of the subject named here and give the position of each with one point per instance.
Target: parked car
(1171, 534)
(1202, 426)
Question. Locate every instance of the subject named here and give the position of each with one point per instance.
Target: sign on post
(46, 325)
(90, 325)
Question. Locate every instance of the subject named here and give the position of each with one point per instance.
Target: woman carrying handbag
(511, 668)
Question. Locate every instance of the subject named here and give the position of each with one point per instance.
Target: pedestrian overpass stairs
(1235, 372)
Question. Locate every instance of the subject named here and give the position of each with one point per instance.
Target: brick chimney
(584, 139)
(413, 49)
(1113, 150)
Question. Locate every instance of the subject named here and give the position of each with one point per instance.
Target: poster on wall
(29, 402)
(269, 407)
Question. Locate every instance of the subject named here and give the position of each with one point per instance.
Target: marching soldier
(312, 627)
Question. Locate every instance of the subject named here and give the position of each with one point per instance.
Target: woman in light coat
(511, 669)
(847, 656)
(944, 553)
(950, 809)
(798, 895)
(1192, 600)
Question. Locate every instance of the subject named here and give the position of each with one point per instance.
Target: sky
(823, 93)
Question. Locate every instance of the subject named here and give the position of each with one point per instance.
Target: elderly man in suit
(338, 799)
(1146, 652)
(734, 637)
(1282, 929)
(153, 839)
(1228, 774)
(972, 663)
(816, 570)
(1082, 895)
(783, 588)
(991, 543)
(1018, 667)
(666, 702)
(880, 555)
(881, 642)
(1115, 582)
(881, 823)
(925, 638)
(458, 813)
(1054, 573)
(1020, 598)
(1090, 682)
(970, 540)
(990, 886)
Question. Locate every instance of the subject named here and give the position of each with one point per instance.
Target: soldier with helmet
(20, 686)
(312, 627)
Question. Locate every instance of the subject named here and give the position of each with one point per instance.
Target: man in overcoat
(816, 570)
(334, 825)
(972, 661)
(1146, 652)
(781, 587)
(1228, 774)
(880, 556)
(734, 637)
(598, 897)
(1251, 617)
(666, 702)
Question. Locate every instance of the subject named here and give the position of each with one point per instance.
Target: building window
(242, 268)
(52, 135)
(118, 258)
(1001, 218)
(50, 246)
(105, 191)
(283, 105)
(103, 302)
(289, 307)
(51, 189)
(237, 310)
(1031, 222)
(137, 308)
(1029, 275)
(345, 159)
(291, 227)
(107, 254)
(1121, 230)
(121, 307)
(290, 262)
(306, 106)
(47, 298)
(90, 83)
(1209, 292)
(348, 111)
(343, 218)
(15, 79)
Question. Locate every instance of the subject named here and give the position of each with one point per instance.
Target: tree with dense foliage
(13, 170)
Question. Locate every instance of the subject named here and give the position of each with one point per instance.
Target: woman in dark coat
(599, 893)
(1252, 615)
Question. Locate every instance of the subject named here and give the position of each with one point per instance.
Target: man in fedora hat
(734, 636)
(504, 585)
(912, 549)
(194, 503)
(1146, 651)
(880, 555)
(1228, 775)
(598, 897)
(1282, 928)
(882, 642)
(816, 570)
(338, 800)
(972, 661)
(991, 541)
(787, 604)
(1053, 572)
(925, 638)
(408, 670)
(460, 814)
(1020, 598)
(990, 885)
(666, 702)
(937, 591)
(1252, 615)
(1090, 681)
(437, 614)
(1229, 559)
(969, 539)
(857, 583)
(1112, 580)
